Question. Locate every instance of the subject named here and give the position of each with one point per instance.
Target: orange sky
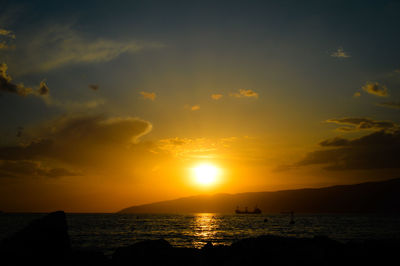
(106, 106)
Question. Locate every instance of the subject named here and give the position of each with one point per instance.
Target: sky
(105, 105)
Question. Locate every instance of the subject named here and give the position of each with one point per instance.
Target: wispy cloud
(340, 53)
(73, 105)
(148, 95)
(376, 89)
(192, 107)
(245, 93)
(61, 45)
(393, 105)
(361, 123)
(216, 96)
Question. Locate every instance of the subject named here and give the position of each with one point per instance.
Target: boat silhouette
(246, 211)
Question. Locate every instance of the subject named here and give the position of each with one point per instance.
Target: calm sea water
(106, 232)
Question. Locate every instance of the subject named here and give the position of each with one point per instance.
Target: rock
(147, 252)
(44, 240)
(273, 250)
(87, 257)
(155, 252)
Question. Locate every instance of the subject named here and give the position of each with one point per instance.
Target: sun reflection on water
(205, 227)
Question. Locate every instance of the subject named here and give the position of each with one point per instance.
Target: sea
(107, 232)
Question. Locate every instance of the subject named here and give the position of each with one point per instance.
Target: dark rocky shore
(46, 242)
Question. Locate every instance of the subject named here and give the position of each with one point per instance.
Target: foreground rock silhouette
(46, 242)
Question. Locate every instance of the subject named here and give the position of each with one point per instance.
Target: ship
(246, 211)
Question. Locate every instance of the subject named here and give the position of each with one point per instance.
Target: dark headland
(46, 242)
(371, 197)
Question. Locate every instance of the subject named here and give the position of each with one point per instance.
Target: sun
(206, 174)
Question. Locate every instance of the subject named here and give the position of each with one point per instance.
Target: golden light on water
(205, 228)
(206, 174)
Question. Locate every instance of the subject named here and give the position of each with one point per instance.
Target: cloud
(195, 107)
(245, 93)
(185, 148)
(5, 46)
(73, 105)
(7, 33)
(340, 53)
(334, 142)
(148, 95)
(91, 141)
(216, 96)
(356, 124)
(43, 91)
(393, 105)
(375, 89)
(6, 84)
(6, 39)
(192, 107)
(25, 168)
(43, 88)
(94, 87)
(60, 45)
(378, 150)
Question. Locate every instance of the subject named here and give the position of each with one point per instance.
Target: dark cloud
(393, 105)
(337, 141)
(23, 168)
(363, 124)
(7, 85)
(43, 88)
(35, 150)
(378, 150)
(94, 87)
(81, 141)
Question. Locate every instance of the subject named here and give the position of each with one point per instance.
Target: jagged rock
(43, 240)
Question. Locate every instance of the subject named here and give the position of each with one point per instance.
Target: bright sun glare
(206, 174)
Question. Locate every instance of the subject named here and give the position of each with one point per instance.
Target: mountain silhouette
(371, 197)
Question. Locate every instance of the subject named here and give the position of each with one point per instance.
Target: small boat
(246, 211)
